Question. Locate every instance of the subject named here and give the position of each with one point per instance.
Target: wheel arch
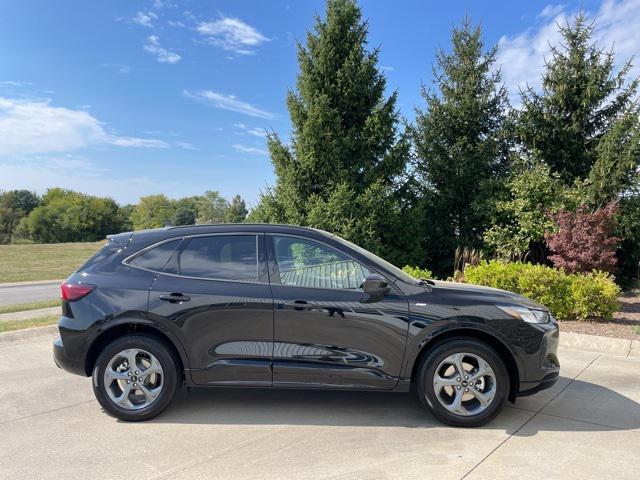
(128, 327)
(498, 345)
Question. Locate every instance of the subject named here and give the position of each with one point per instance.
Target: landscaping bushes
(417, 272)
(568, 296)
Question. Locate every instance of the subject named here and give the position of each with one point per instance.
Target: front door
(220, 300)
(327, 331)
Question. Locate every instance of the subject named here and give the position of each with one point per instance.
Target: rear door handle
(174, 298)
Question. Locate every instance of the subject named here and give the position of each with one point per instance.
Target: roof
(157, 234)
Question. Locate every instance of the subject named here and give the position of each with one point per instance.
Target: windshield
(404, 276)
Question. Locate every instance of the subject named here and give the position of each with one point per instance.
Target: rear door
(327, 331)
(214, 291)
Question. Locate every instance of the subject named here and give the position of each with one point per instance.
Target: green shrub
(569, 297)
(495, 274)
(417, 272)
(594, 295)
(549, 286)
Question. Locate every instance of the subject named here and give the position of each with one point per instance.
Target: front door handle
(175, 298)
(300, 305)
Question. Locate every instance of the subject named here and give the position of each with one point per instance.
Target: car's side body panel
(337, 339)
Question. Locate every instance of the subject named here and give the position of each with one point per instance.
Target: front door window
(305, 263)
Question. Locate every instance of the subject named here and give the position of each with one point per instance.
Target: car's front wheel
(463, 382)
(135, 377)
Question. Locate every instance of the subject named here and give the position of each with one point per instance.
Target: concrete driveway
(587, 426)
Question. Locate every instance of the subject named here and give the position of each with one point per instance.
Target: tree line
(554, 179)
(67, 216)
(472, 173)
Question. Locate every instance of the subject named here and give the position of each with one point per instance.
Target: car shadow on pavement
(597, 407)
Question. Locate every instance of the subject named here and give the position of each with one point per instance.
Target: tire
(160, 385)
(440, 394)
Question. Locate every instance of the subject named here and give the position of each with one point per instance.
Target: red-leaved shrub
(584, 240)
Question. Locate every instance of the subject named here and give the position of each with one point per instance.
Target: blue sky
(128, 98)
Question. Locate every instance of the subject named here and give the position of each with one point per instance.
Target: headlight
(529, 315)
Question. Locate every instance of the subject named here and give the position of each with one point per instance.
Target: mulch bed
(622, 325)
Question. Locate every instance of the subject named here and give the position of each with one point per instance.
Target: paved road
(29, 293)
(587, 426)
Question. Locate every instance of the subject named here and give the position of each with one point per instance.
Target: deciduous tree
(584, 240)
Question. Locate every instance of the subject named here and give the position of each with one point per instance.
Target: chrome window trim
(126, 261)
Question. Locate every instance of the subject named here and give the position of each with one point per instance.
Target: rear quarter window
(109, 248)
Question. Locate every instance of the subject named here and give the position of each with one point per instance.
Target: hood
(494, 295)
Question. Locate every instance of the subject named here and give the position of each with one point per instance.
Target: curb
(620, 347)
(29, 284)
(29, 314)
(29, 333)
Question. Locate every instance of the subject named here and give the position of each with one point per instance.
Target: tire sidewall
(169, 369)
(433, 359)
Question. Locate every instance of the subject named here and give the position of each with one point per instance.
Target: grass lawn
(50, 261)
(23, 307)
(34, 322)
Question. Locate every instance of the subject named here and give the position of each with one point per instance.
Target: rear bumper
(63, 361)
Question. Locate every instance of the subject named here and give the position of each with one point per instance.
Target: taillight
(75, 291)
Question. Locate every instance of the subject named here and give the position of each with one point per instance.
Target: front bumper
(63, 361)
(543, 367)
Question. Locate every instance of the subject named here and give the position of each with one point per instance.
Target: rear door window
(160, 258)
(221, 257)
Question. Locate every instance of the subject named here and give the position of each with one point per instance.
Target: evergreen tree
(236, 211)
(460, 145)
(615, 170)
(346, 151)
(582, 101)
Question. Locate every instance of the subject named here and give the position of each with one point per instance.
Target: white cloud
(118, 67)
(250, 150)
(11, 83)
(232, 34)
(144, 19)
(522, 56)
(185, 145)
(34, 126)
(551, 11)
(255, 131)
(135, 142)
(162, 54)
(228, 102)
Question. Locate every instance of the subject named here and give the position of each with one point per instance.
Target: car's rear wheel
(135, 377)
(463, 382)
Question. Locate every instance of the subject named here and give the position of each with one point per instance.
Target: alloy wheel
(133, 379)
(465, 384)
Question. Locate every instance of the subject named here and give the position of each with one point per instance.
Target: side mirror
(375, 285)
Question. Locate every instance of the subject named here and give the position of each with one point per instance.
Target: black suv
(279, 306)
